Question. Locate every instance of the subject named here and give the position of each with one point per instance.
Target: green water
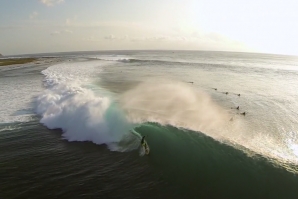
(210, 169)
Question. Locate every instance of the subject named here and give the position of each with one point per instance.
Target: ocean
(219, 125)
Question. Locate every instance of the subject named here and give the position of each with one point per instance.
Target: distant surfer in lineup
(236, 108)
(243, 113)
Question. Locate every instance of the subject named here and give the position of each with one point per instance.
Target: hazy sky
(36, 26)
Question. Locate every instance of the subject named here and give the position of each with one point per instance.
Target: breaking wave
(83, 114)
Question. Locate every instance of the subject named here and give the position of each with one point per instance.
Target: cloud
(112, 37)
(68, 22)
(33, 15)
(68, 31)
(51, 2)
(71, 21)
(12, 27)
(161, 38)
(91, 38)
(75, 22)
(58, 32)
(55, 33)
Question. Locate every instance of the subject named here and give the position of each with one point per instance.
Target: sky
(41, 26)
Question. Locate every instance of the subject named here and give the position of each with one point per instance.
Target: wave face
(83, 114)
(205, 168)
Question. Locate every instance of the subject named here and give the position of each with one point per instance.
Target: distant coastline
(38, 61)
(6, 62)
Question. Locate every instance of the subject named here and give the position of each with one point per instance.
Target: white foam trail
(9, 128)
(16, 98)
(81, 114)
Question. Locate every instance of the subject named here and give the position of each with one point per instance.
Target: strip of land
(5, 62)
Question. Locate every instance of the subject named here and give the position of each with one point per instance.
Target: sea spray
(174, 103)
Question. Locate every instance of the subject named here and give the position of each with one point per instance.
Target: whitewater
(82, 111)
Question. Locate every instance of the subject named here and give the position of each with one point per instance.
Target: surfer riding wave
(143, 141)
(143, 144)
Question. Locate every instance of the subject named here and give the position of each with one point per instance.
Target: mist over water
(174, 103)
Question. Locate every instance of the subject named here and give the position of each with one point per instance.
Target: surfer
(236, 108)
(145, 146)
(143, 141)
